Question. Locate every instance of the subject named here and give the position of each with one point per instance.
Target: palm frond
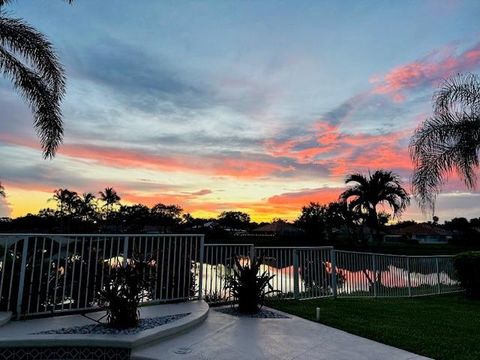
(21, 39)
(449, 140)
(461, 90)
(44, 103)
(380, 187)
(358, 178)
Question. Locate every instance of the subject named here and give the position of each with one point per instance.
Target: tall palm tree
(28, 59)
(381, 187)
(110, 199)
(66, 201)
(86, 206)
(449, 140)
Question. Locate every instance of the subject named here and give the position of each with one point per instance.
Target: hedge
(467, 266)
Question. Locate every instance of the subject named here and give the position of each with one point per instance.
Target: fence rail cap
(98, 234)
(397, 255)
(295, 247)
(229, 244)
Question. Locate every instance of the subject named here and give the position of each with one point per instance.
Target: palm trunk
(375, 225)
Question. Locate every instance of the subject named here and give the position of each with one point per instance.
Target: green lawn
(440, 327)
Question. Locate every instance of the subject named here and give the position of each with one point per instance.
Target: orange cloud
(295, 200)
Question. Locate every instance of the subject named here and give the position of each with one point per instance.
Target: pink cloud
(424, 72)
(246, 167)
(295, 200)
(342, 153)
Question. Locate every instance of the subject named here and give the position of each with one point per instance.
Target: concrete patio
(208, 335)
(225, 337)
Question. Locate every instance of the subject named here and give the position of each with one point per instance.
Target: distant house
(421, 233)
(278, 228)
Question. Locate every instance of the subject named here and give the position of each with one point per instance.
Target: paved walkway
(225, 337)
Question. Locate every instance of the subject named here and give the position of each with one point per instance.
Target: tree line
(356, 207)
(351, 220)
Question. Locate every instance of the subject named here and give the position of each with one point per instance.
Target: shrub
(123, 291)
(467, 266)
(248, 288)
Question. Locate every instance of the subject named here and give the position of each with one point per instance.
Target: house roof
(278, 227)
(420, 229)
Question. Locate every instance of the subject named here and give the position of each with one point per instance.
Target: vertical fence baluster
(21, 283)
(295, 274)
(56, 273)
(409, 277)
(333, 262)
(439, 285)
(31, 274)
(374, 266)
(65, 273)
(200, 275)
(11, 276)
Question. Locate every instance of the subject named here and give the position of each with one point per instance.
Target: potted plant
(248, 288)
(123, 291)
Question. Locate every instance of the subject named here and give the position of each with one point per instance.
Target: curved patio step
(21, 334)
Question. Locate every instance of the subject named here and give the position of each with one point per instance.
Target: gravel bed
(103, 329)
(262, 314)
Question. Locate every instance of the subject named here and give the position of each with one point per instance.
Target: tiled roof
(420, 229)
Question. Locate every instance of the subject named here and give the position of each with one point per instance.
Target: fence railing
(42, 274)
(56, 273)
(313, 272)
(384, 275)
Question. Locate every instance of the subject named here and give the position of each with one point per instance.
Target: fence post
(21, 282)
(200, 272)
(438, 276)
(333, 257)
(125, 250)
(252, 253)
(296, 292)
(409, 277)
(374, 266)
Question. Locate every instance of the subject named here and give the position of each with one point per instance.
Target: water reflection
(314, 281)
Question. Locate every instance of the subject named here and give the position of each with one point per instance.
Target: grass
(440, 327)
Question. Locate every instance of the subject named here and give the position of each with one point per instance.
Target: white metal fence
(42, 274)
(56, 273)
(313, 272)
(384, 275)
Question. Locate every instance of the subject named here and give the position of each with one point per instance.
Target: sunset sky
(257, 106)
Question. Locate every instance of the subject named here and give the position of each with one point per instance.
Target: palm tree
(110, 198)
(28, 59)
(381, 187)
(449, 140)
(86, 206)
(66, 201)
